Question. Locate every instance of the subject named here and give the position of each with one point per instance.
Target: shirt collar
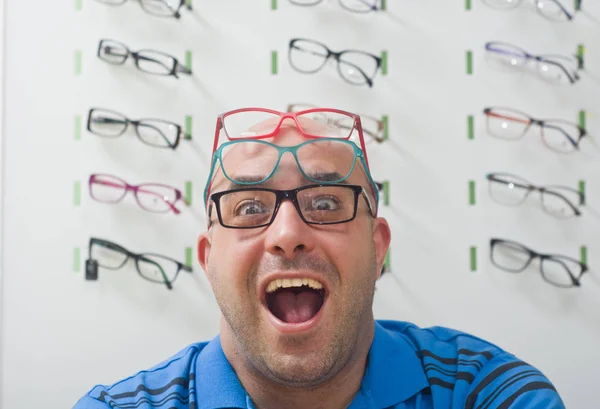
(394, 372)
(217, 384)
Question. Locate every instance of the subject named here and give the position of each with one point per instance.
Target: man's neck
(337, 393)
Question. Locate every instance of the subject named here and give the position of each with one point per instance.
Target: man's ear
(204, 246)
(382, 236)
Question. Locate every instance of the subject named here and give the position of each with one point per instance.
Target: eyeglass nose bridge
(539, 122)
(290, 195)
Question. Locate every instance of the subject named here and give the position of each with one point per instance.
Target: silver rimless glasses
(555, 10)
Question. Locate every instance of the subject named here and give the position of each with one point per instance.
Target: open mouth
(295, 300)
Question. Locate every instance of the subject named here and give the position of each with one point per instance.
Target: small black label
(91, 269)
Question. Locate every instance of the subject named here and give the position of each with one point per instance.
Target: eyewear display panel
(555, 69)
(158, 8)
(561, 202)
(152, 197)
(149, 61)
(154, 132)
(558, 270)
(510, 124)
(153, 267)
(354, 66)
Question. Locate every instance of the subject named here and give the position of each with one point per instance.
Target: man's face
(292, 334)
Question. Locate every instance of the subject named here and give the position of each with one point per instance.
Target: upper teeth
(293, 282)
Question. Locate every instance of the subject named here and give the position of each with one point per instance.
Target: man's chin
(301, 370)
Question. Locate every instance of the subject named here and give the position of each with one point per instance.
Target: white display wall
(61, 334)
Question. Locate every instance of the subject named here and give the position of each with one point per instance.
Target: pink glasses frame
(93, 179)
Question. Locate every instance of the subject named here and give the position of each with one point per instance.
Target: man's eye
(325, 203)
(250, 207)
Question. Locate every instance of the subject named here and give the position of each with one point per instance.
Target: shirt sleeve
(90, 403)
(506, 382)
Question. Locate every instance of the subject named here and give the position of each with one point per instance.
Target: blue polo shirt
(408, 368)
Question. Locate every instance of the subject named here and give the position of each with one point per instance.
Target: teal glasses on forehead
(253, 162)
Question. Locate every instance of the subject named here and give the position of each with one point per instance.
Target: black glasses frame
(372, 7)
(176, 12)
(173, 69)
(573, 76)
(337, 56)
(137, 257)
(292, 195)
(137, 123)
(496, 177)
(575, 278)
(544, 123)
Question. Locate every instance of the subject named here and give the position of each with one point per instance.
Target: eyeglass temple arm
(371, 5)
(369, 81)
(574, 280)
(162, 272)
(179, 67)
(111, 50)
(564, 10)
(107, 120)
(562, 131)
(155, 128)
(509, 118)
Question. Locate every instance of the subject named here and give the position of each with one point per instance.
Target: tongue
(295, 308)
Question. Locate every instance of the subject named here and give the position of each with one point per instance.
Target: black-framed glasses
(247, 208)
(158, 8)
(561, 202)
(558, 270)
(150, 266)
(154, 132)
(371, 126)
(149, 61)
(354, 66)
(355, 6)
(557, 134)
(553, 68)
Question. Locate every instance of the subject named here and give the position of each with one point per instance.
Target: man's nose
(289, 234)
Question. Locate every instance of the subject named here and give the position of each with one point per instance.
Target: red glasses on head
(261, 123)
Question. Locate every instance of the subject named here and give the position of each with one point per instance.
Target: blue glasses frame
(293, 150)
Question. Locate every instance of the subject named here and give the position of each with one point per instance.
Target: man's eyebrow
(245, 179)
(326, 176)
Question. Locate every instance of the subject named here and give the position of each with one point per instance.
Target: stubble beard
(306, 370)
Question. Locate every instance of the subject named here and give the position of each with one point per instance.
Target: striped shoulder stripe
(501, 387)
(533, 386)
